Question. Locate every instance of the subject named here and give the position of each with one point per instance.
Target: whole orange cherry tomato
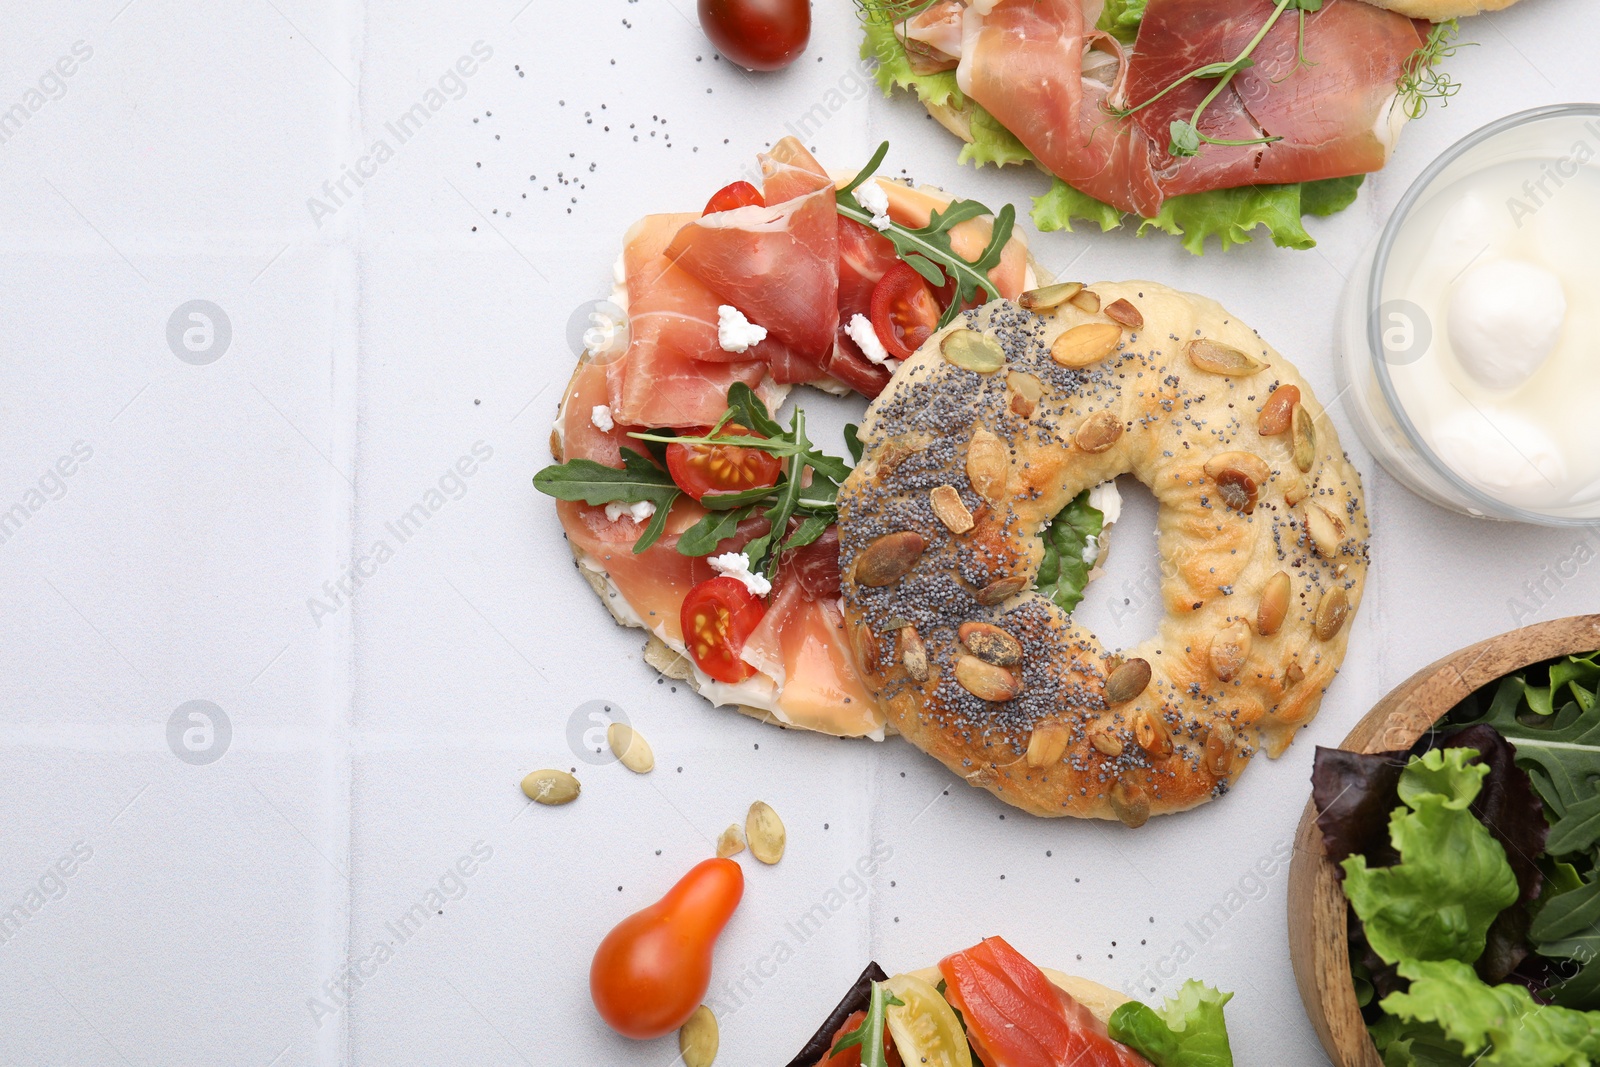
(653, 968)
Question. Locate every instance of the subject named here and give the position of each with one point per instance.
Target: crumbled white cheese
(737, 565)
(735, 333)
(870, 195)
(600, 415)
(866, 339)
(637, 512)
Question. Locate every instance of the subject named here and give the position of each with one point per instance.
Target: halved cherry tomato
(904, 310)
(925, 1030)
(739, 194)
(718, 616)
(1016, 1017)
(851, 1057)
(757, 34)
(653, 968)
(702, 469)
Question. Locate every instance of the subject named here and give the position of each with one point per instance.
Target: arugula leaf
(638, 480)
(852, 441)
(1121, 18)
(748, 411)
(1516, 1030)
(1064, 572)
(1453, 878)
(714, 527)
(1189, 1031)
(869, 1035)
(928, 248)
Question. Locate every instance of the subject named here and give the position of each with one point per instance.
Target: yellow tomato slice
(925, 1029)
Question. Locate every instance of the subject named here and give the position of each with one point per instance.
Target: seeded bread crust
(1057, 747)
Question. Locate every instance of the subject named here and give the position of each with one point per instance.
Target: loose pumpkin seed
(630, 748)
(1151, 732)
(551, 787)
(1324, 530)
(1000, 590)
(698, 1039)
(1085, 300)
(974, 351)
(1105, 742)
(1219, 752)
(765, 832)
(730, 842)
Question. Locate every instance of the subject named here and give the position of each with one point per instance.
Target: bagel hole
(1123, 605)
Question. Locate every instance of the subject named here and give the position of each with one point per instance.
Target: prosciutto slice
(778, 264)
(1334, 116)
(1041, 69)
(663, 379)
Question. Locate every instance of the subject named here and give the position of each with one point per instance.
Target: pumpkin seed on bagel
(1262, 533)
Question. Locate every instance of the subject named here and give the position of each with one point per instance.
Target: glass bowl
(1381, 332)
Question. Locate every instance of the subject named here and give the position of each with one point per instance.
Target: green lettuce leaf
(1516, 1030)
(1064, 572)
(1056, 209)
(1188, 1031)
(894, 67)
(1121, 18)
(1414, 1044)
(991, 142)
(1453, 877)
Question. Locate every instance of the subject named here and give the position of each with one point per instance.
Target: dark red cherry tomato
(757, 34)
(905, 312)
(739, 194)
(718, 616)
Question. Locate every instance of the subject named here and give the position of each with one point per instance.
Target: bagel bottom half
(995, 426)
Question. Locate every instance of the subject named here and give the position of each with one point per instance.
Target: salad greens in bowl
(1466, 866)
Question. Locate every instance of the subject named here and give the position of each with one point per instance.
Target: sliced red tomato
(904, 310)
(851, 1057)
(1016, 1017)
(718, 616)
(739, 194)
(702, 469)
(865, 256)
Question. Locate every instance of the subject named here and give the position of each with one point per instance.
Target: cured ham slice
(1048, 76)
(932, 37)
(801, 644)
(777, 264)
(1333, 113)
(663, 379)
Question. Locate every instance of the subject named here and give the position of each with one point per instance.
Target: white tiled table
(214, 911)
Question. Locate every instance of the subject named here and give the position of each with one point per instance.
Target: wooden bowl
(1318, 930)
